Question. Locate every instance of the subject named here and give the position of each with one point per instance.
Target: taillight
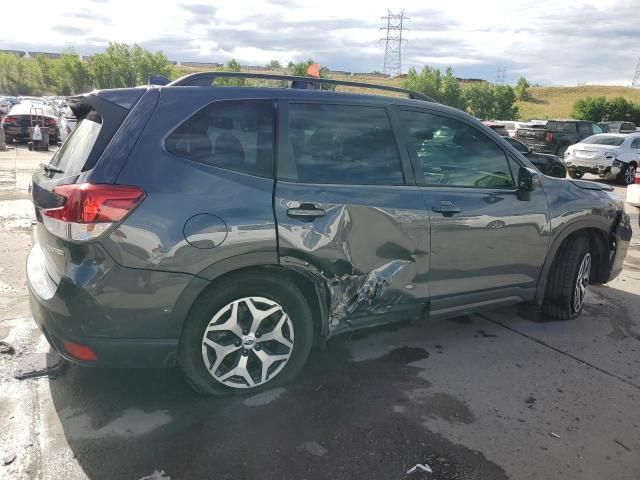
(9, 120)
(548, 137)
(50, 122)
(89, 210)
(637, 177)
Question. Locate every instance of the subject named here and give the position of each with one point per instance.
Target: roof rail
(206, 79)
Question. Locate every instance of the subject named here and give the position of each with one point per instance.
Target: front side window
(596, 128)
(235, 135)
(342, 144)
(636, 144)
(453, 153)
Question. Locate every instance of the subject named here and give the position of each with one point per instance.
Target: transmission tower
(636, 77)
(393, 49)
(500, 77)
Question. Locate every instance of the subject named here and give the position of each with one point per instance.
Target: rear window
(567, 127)
(234, 135)
(73, 154)
(604, 140)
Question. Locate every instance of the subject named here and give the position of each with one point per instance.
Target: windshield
(612, 140)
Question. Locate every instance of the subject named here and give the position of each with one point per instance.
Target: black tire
(561, 285)
(275, 287)
(560, 151)
(8, 140)
(627, 175)
(575, 174)
(557, 171)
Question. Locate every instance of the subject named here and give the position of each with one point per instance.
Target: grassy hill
(545, 102)
(557, 102)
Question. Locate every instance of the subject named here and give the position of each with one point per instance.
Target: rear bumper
(127, 320)
(622, 237)
(23, 133)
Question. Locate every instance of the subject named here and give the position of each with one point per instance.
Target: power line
(636, 78)
(501, 75)
(393, 47)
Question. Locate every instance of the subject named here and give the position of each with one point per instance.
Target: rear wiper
(50, 169)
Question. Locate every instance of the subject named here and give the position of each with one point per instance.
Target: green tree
(450, 90)
(8, 66)
(71, 74)
(522, 89)
(504, 107)
(428, 82)
(43, 75)
(274, 65)
(590, 108)
(619, 108)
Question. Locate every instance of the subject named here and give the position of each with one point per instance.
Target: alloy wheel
(582, 282)
(630, 174)
(247, 342)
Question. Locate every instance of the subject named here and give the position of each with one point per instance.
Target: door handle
(447, 209)
(306, 212)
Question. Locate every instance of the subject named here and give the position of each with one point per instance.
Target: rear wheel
(568, 279)
(8, 140)
(575, 174)
(245, 335)
(628, 174)
(557, 171)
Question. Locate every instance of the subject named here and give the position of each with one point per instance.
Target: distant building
(252, 68)
(471, 80)
(19, 53)
(45, 54)
(201, 64)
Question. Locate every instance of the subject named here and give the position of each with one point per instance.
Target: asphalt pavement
(499, 395)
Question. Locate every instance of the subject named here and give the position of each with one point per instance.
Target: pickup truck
(557, 135)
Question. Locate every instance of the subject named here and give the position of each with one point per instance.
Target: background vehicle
(165, 232)
(618, 127)
(609, 155)
(512, 127)
(496, 127)
(633, 194)
(17, 122)
(548, 164)
(557, 135)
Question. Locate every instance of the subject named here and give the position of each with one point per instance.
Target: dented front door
(347, 212)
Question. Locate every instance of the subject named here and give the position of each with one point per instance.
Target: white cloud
(592, 41)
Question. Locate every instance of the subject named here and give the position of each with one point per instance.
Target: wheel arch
(599, 245)
(312, 287)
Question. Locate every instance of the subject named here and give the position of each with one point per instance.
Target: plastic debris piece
(554, 435)
(36, 365)
(8, 460)
(6, 348)
(420, 467)
(156, 475)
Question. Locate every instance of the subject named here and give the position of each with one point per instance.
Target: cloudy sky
(549, 41)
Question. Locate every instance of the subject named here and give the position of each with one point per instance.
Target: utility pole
(636, 78)
(500, 77)
(393, 47)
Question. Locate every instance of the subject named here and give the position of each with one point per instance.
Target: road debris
(622, 445)
(156, 475)
(8, 460)
(313, 448)
(36, 365)
(6, 348)
(554, 435)
(420, 467)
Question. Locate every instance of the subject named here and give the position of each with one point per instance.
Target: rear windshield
(568, 127)
(604, 140)
(73, 154)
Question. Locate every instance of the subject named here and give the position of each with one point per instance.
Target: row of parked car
(610, 150)
(18, 114)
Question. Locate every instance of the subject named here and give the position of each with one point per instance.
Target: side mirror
(528, 181)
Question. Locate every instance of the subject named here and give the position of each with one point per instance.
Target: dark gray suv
(229, 229)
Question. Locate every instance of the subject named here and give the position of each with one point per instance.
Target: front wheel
(568, 279)
(575, 174)
(246, 334)
(628, 174)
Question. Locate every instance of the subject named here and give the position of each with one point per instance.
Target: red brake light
(549, 137)
(9, 120)
(81, 352)
(88, 210)
(637, 177)
(50, 121)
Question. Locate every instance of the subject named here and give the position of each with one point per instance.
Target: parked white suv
(609, 155)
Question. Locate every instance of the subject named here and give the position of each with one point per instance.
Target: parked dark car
(23, 115)
(618, 127)
(557, 135)
(499, 128)
(230, 229)
(548, 164)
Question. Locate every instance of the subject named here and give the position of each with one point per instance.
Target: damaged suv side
(231, 229)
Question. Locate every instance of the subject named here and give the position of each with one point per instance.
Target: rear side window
(567, 127)
(636, 144)
(234, 135)
(611, 140)
(340, 144)
(73, 154)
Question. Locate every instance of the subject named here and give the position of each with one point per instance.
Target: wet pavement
(489, 396)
